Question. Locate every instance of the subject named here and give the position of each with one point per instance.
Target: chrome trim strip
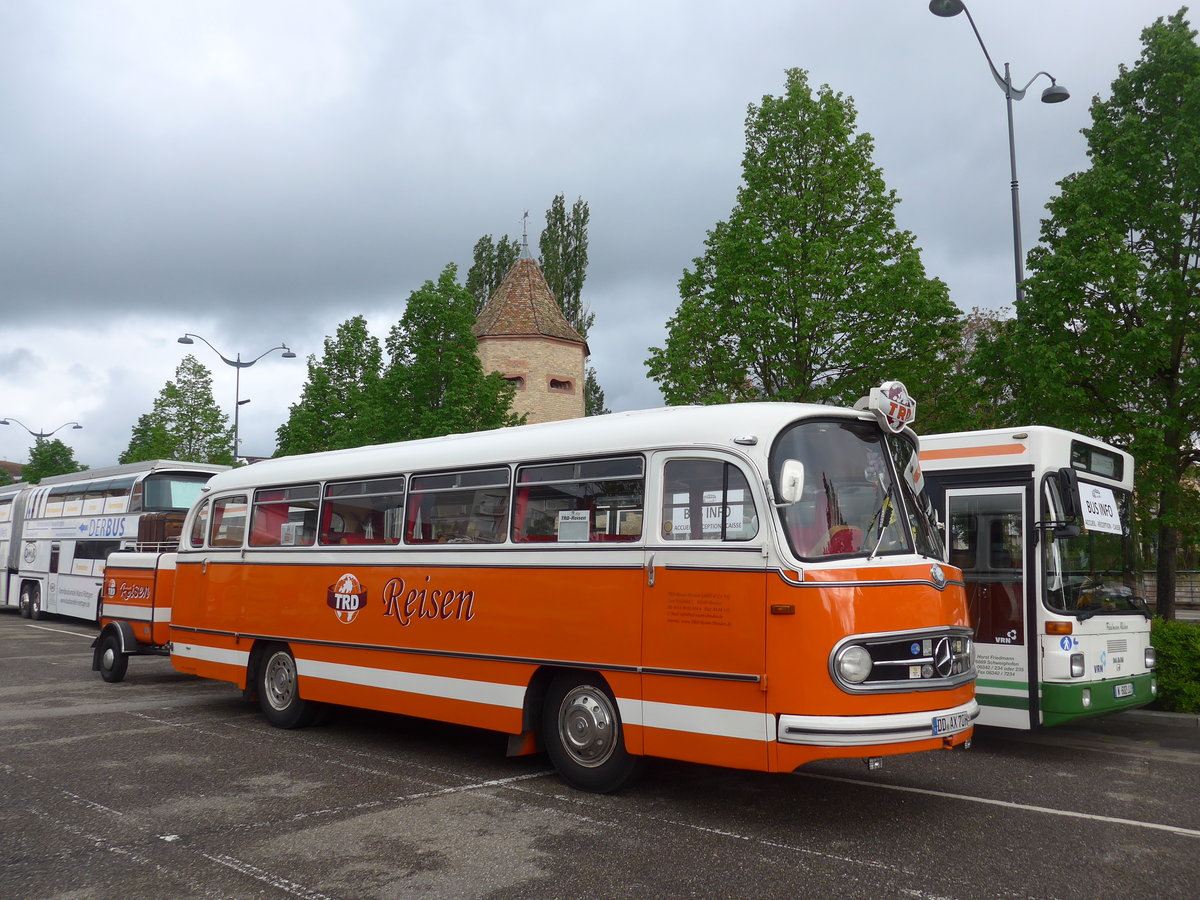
(858, 731)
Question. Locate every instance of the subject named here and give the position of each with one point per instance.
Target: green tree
(563, 251)
(150, 440)
(563, 248)
(1107, 336)
(434, 383)
(49, 457)
(491, 262)
(809, 292)
(977, 388)
(593, 395)
(337, 406)
(185, 424)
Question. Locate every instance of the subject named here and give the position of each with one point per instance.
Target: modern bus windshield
(849, 503)
(1089, 571)
(172, 492)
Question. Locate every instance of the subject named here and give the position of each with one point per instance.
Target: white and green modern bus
(1038, 520)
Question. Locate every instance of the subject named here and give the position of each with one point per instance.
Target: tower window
(517, 381)
(561, 385)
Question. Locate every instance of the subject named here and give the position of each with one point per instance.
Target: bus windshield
(176, 491)
(1089, 572)
(848, 503)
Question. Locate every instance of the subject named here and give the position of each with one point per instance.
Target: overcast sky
(259, 171)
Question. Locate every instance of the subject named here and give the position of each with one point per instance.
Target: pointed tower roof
(524, 305)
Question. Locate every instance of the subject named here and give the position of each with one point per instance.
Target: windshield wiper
(884, 516)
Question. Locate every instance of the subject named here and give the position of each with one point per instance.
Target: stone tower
(524, 336)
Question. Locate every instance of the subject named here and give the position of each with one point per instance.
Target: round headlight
(854, 663)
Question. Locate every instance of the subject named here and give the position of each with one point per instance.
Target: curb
(1158, 717)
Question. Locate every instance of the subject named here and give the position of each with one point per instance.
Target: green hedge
(1178, 670)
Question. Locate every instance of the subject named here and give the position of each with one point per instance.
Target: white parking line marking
(60, 631)
(1070, 814)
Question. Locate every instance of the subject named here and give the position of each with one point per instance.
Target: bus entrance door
(703, 632)
(987, 540)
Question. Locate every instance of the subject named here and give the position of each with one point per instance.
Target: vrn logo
(346, 598)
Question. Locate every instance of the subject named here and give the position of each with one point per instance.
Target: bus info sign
(1100, 510)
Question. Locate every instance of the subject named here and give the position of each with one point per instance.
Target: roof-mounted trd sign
(891, 404)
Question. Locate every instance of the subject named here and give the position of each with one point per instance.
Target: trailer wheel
(279, 690)
(114, 663)
(581, 728)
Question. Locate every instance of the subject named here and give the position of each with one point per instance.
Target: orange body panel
(699, 664)
(140, 595)
(827, 611)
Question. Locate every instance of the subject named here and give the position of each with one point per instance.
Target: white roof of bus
(148, 466)
(677, 426)
(999, 446)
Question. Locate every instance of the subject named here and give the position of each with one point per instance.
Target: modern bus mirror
(791, 481)
(1068, 490)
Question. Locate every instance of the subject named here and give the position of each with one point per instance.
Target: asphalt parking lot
(168, 786)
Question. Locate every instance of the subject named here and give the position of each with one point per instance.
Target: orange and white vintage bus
(755, 585)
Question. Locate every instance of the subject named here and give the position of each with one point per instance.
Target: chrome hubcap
(280, 680)
(588, 724)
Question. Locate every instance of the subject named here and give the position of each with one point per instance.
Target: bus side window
(116, 495)
(469, 507)
(363, 512)
(706, 499)
(199, 526)
(228, 522)
(575, 502)
(284, 517)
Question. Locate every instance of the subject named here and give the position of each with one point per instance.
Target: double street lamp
(238, 364)
(40, 435)
(1055, 93)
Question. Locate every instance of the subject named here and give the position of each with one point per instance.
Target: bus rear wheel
(31, 603)
(581, 729)
(279, 690)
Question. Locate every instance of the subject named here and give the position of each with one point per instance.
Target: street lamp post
(1055, 93)
(40, 435)
(238, 364)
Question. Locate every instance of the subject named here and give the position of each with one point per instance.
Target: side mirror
(1068, 490)
(791, 481)
(1062, 532)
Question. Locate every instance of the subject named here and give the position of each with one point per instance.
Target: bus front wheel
(279, 690)
(581, 729)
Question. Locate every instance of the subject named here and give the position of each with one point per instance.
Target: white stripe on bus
(124, 611)
(675, 717)
(211, 654)
(511, 696)
(718, 722)
(730, 723)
